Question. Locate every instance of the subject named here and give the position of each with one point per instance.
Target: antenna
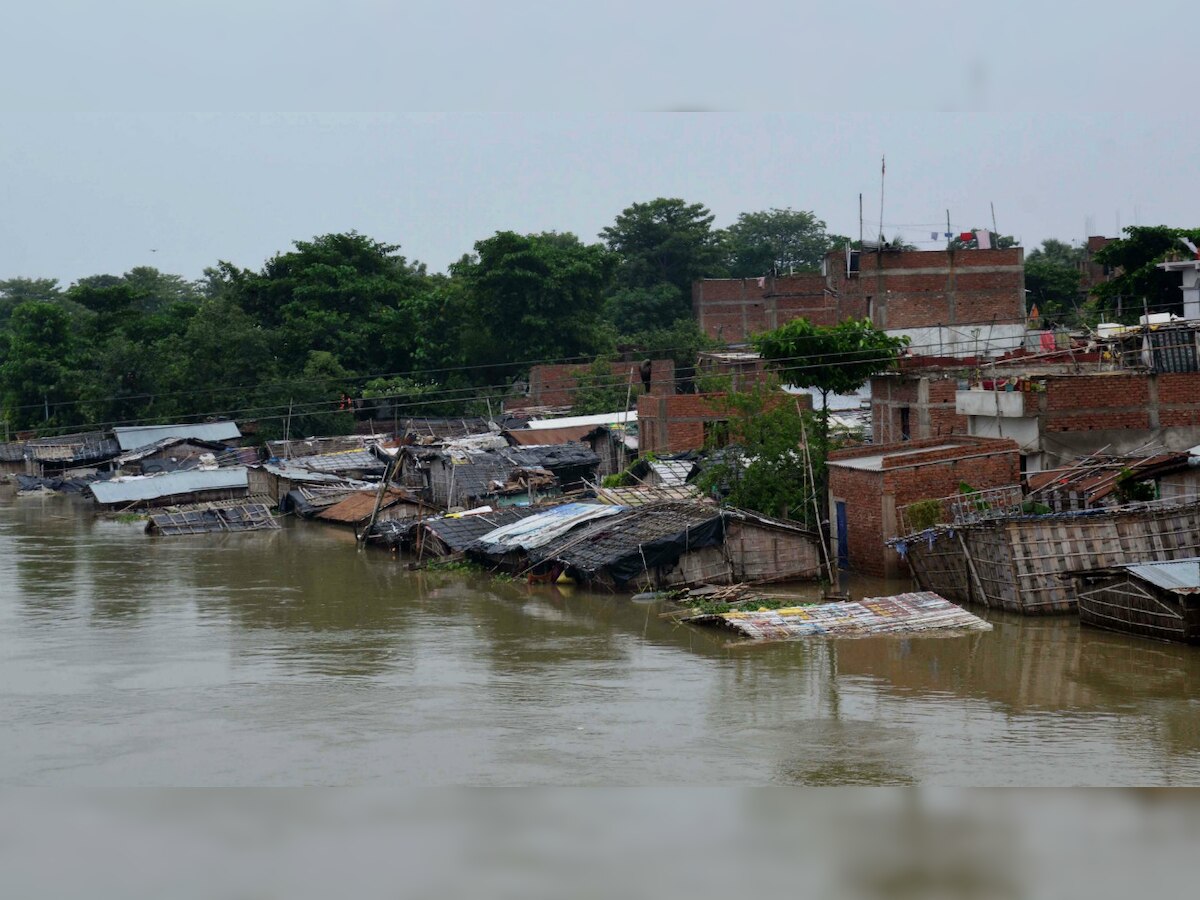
(860, 219)
(995, 230)
(882, 176)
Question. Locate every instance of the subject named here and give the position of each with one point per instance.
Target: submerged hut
(190, 486)
(1014, 562)
(202, 518)
(356, 509)
(657, 545)
(1154, 599)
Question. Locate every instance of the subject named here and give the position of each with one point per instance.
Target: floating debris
(901, 614)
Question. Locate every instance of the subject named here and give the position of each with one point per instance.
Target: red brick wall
(1096, 402)
(1179, 400)
(675, 424)
(981, 462)
(934, 416)
(898, 290)
(556, 385)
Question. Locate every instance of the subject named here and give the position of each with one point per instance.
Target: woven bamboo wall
(1018, 563)
(940, 566)
(760, 555)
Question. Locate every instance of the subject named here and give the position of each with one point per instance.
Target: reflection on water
(294, 657)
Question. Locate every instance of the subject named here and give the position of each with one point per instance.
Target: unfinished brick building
(947, 302)
(869, 485)
(557, 385)
(684, 422)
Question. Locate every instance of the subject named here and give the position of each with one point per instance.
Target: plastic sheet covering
(541, 529)
(901, 614)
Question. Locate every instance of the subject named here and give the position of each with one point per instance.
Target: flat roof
(874, 463)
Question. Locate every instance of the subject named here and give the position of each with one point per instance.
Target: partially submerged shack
(448, 535)
(1159, 600)
(657, 545)
(190, 486)
(211, 517)
(357, 509)
(1015, 561)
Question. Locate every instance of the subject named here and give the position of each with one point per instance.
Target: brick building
(1064, 416)
(947, 302)
(909, 406)
(868, 486)
(681, 422)
(557, 385)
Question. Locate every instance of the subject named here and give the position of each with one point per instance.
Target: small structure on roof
(204, 518)
(902, 614)
(1158, 600)
(641, 495)
(367, 462)
(194, 485)
(133, 437)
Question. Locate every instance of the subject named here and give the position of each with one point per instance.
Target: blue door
(843, 540)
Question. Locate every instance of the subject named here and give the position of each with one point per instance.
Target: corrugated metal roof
(134, 437)
(615, 418)
(343, 461)
(152, 487)
(1181, 575)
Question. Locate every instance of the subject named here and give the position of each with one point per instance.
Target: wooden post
(383, 486)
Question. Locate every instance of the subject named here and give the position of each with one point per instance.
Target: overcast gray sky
(1078, 116)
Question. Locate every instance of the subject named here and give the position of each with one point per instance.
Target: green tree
(634, 310)
(342, 293)
(1139, 284)
(1053, 287)
(764, 467)
(531, 297)
(36, 387)
(665, 241)
(836, 359)
(15, 291)
(777, 240)
(598, 390)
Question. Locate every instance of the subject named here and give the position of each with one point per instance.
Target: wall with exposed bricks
(678, 423)
(898, 291)
(873, 497)
(929, 400)
(557, 385)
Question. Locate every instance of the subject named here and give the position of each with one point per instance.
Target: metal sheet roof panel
(131, 438)
(152, 487)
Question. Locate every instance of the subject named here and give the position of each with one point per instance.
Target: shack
(658, 545)
(449, 535)
(133, 437)
(496, 474)
(73, 453)
(278, 480)
(212, 517)
(1014, 561)
(1158, 600)
(368, 462)
(356, 509)
(167, 454)
(171, 488)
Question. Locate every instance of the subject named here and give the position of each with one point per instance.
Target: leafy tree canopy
(1138, 279)
(665, 241)
(777, 240)
(834, 359)
(535, 296)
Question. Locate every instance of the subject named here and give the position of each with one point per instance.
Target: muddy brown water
(293, 657)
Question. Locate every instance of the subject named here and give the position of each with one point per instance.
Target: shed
(1158, 600)
(357, 508)
(168, 454)
(194, 485)
(448, 535)
(277, 480)
(213, 517)
(131, 438)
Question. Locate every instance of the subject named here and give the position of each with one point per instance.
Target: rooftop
(874, 463)
(133, 437)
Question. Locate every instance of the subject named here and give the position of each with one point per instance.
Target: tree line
(344, 322)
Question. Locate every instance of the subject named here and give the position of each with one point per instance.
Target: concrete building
(947, 302)
(868, 487)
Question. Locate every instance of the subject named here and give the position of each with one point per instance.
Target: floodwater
(293, 657)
